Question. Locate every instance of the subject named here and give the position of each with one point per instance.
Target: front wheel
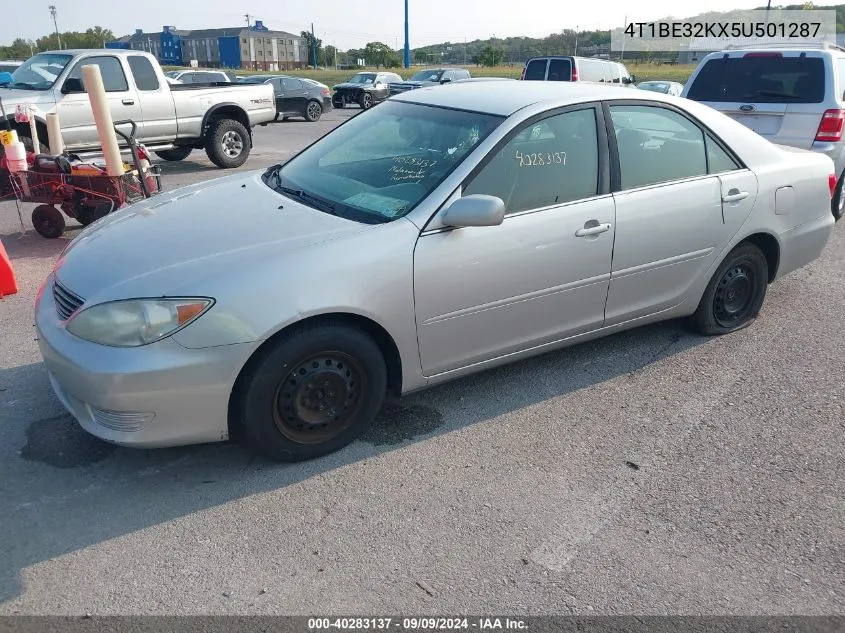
(313, 112)
(312, 393)
(227, 143)
(365, 101)
(48, 221)
(735, 294)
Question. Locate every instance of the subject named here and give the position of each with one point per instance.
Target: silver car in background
(444, 232)
(672, 88)
(790, 95)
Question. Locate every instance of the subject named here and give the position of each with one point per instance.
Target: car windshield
(363, 78)
(760, 78)
(40, 72)
(380, 164)
(427, 75)
(173, 74)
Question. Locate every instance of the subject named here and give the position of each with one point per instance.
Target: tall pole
(407, 41)
(246, 15)
(314, 45)
(576, 39)
(56, 24)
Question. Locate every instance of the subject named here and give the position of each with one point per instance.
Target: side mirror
(633, 79)
(72, 85)
(475, 210)
(6, 79)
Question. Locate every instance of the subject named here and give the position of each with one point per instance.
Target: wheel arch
(23, 128)
(770, 246)
(226, 111)
(381, 337)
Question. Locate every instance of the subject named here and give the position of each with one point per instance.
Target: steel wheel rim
(734, 295)
(232, 144)
(314, 111)
(319, 398)
(368, 101)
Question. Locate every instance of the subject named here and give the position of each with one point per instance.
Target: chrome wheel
(320, 398)
(232, 144)
(314, 111)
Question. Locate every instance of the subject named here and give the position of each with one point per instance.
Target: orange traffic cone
(8, 284)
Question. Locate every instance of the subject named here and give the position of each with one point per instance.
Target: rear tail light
(831, 182)
(574, 72)
(830, 128)
(325, 92)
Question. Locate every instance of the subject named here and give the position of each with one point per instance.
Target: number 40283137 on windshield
(541, 159)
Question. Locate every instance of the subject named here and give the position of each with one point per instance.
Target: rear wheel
(177, 153)
(227, 143)
(48, 221)
(837, 205)
(312, 393)
(313, 111)
(735, 294)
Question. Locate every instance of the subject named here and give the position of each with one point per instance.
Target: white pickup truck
(172, 119)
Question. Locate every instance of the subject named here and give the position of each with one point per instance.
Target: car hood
(12, 97)
(347, 85)
(166, 244)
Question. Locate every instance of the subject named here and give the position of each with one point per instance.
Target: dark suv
(430, 77)
(365, 89)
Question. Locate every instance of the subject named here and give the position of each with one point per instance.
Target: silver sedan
(439, 234)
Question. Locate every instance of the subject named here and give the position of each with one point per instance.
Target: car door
(671, 220)
(278, 91)
(294, 95)
(158, 111)
(77, 120)
(540, 276)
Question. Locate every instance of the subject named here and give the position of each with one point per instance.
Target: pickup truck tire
(227, 143)
(177, 153)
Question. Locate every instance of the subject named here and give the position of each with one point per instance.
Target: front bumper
(152, 396)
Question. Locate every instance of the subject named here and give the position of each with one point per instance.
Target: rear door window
(559, 70)
(291, 84)
(536, 70)
(143, 72)
(761, 80)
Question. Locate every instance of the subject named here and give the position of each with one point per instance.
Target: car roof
(503, 98)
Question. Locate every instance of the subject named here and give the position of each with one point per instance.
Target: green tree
(492, 55)
(330, 54)
(20, 49)
(306, 35)
(379, 54)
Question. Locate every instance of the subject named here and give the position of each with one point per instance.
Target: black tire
(86, 215)
(227, 143)
(313, 111)
(837, 205)
(285, 118)
(48, 221)
(280, 398)
(30, 146)
(365, 101)
(735, 294)
(175, 154)
(338, 105)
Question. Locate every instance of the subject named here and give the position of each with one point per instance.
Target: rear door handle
(128, 102)
(592, 230)
(735, 195)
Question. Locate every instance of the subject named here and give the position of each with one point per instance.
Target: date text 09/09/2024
(651, 30)
(415, 624)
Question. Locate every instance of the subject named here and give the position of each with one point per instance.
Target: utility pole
(52, 8)
(576, 39)
(314, 45)
(247, 16)
(407, 41)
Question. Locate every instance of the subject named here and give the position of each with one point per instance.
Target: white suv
(792, 96)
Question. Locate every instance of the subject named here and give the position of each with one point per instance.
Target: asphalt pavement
(651, 472)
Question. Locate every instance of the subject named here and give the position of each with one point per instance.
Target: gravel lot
(651, 472)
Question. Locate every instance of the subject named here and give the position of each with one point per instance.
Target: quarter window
(656, 145)
(547, 163)
(718, 160)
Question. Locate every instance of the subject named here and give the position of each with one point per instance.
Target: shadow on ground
(66, 490)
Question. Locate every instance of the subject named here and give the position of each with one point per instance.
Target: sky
(350, 23)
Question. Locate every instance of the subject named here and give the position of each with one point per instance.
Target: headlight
(135, 322)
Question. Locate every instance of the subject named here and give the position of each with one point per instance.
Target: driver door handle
(596, 229)
(128, 102)
(735, 195)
